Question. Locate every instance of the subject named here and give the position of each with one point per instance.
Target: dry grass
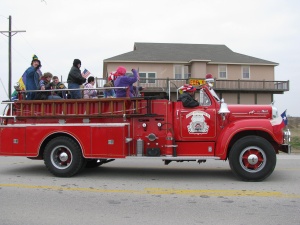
(295, 140)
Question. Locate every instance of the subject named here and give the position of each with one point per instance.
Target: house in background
(239, 79)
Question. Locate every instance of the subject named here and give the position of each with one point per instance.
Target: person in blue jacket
(125, 81)
(33, 75)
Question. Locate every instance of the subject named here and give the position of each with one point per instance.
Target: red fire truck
(72, 134)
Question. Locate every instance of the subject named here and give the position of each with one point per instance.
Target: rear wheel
(252, 158)
(63, 157)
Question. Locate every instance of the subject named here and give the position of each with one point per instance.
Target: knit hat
(187, 88)
(35, 58)
(76, 62)
(209, 78)
(121, 71)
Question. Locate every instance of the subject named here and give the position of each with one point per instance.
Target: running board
(177, 158)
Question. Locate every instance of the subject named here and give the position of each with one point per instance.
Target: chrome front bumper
(286, 147)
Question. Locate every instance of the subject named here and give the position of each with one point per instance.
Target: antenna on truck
(4, 88)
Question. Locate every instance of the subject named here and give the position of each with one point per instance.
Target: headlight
(286, 136)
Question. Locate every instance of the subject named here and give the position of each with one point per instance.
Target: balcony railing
(162, 85)
(153, 85)
(251, 85)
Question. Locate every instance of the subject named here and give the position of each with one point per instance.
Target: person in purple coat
(125, 81)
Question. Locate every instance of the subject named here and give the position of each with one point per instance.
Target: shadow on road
(115, 171)
(125, 172)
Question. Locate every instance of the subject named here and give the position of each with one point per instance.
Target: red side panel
(12, 141)
(195, 148)
(103, 140)
(109, 141)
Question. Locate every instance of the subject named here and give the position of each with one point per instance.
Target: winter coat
(109, 93)
(43, 95)
(89, 93)
(59, 85)
(125, 81)
(32, 78)
(188, 100)
(75, 76)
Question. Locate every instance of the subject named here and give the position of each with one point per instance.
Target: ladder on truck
(81, 108)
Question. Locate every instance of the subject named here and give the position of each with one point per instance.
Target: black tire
(252, 158)
(93, 163)
(63, 157)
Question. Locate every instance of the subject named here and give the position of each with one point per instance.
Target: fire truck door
(198, 123)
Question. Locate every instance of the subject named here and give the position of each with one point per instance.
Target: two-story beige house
(240, 79)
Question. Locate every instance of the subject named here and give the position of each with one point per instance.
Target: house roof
(186, 53)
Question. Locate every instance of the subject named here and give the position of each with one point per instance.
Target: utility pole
(9, 35)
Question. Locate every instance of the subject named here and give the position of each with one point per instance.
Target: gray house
(239, 78)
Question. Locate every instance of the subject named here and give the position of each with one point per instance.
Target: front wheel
(252, 158)
(63, 157)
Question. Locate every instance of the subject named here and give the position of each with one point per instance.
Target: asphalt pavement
(145, 191)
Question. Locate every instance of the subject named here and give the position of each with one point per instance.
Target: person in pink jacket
(125, 81)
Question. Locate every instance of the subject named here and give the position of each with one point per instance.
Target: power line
(10, 33)
(4, 88)
(36, 52)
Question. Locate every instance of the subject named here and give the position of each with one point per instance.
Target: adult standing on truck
(75, 79)
(125, 81)
(33, 75)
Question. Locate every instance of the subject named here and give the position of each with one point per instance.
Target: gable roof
(186, 53)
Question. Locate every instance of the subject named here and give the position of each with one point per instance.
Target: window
(147, 77)
(181, 72)
(204, 99)
(245, 72)
(151, 77)
(222, 72)
(143, 75)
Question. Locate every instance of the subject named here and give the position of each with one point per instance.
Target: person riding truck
(188, 96)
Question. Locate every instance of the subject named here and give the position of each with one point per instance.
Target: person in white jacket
(89, 92)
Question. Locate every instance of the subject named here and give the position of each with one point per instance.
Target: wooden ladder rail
(50, 108)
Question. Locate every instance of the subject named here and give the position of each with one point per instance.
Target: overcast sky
(92, 30)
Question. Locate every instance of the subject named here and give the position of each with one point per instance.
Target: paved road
(147, 192)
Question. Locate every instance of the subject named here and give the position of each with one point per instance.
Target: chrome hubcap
(63, 157)
(252, 159)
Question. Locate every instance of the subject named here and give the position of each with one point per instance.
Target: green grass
(295, 138)
(295, 142)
